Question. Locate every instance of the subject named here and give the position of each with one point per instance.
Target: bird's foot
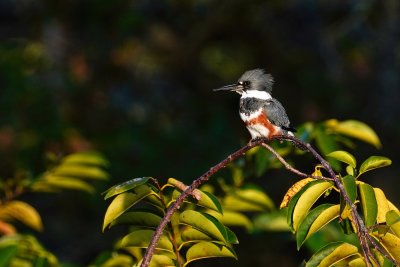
(258, 139)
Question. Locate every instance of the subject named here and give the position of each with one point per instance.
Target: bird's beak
(231, 87)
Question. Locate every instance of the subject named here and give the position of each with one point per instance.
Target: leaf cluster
(195, 232)
(306, 218)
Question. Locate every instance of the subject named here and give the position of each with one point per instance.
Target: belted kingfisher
(263, 115)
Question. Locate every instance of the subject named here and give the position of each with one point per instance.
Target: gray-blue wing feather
(277, 114)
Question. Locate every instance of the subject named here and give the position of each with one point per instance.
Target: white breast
(251, 116)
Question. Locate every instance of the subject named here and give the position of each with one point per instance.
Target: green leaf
(315, 220)
(307, 199)
(204, 223)
(7, 254)
(140, 218)
(249, 198)
(343, 156)
(231, 237)
(123, 202)
(374, 162)
(203, 250)
(125, 186)
(331, 254)
(22, 212)
(349, 183)
(368, 204)
(141, 239)
(356, 129)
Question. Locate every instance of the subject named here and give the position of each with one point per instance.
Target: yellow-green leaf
(315, 220)
(85, 158)
(138, 218)
(204, 250)
(374, 162)
(383, 205)
(357, 262)
(391, 244)
(331, 254)
(207, 199)
(232, 218)
(204, 223)
(62, 182)
(355, 129)
(190, 234)
(80, 171)
(293, 200)
(271, 221)
(393, 220)
(141, 239)
(161, 261)
(307, 199)
(123, 202)
(293, 190)
(118, 260)
(343, 156)
(368, 203)
(22, 212)
(249, 198)
(125, 186)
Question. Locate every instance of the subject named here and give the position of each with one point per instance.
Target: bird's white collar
(256, 94)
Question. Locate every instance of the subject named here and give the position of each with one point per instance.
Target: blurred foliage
(133, 80)
(70, 172)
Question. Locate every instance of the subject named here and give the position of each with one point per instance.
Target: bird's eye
(246, 83)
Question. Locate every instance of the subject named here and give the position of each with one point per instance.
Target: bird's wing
(276, 113)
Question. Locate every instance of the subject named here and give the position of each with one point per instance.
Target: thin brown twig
(289, 167)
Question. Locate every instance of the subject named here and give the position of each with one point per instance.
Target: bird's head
(251, 80)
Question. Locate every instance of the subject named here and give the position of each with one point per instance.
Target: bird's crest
(259, 80)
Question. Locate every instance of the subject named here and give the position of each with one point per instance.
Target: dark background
(134, 80)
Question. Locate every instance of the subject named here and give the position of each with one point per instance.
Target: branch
(361, 230)
(189, 190)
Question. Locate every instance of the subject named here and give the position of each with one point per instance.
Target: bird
(263, 115)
